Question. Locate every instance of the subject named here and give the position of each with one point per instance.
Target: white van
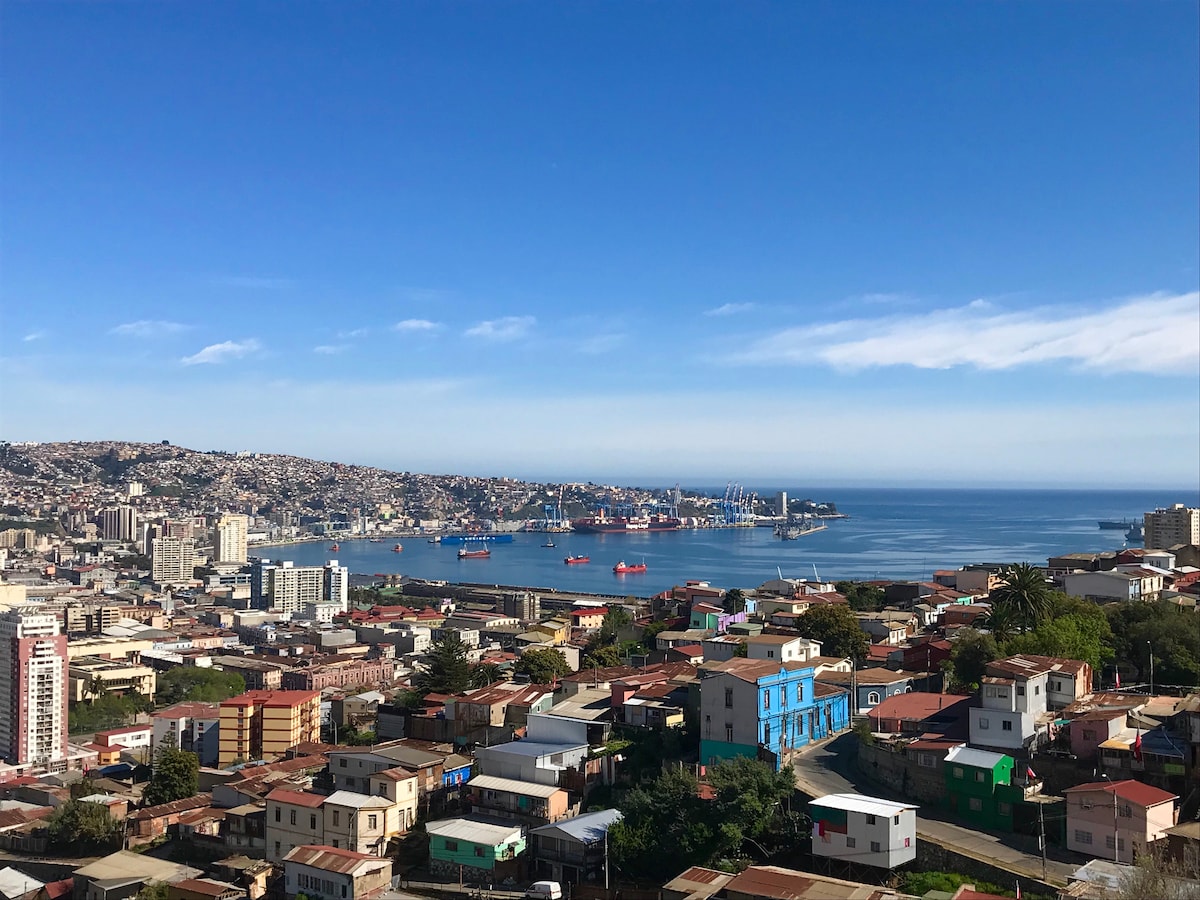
(544, 890)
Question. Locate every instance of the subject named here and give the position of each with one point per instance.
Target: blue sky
(813, 243)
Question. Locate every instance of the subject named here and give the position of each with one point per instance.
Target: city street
(829, 768)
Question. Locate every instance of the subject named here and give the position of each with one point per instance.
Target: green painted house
(475, 849)
(978, 787)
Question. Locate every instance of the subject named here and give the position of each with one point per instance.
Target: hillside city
(185, 715)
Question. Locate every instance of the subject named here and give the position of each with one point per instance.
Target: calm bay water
(891, 533)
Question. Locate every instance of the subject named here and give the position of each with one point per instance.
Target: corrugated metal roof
(860, 803)
(333, 859)
(474, 830)
(587, 829)
(968, 756)
(513, 786)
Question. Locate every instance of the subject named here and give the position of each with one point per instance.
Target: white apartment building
(864, 830)
(1166, 527)
(173, 560)
(289, 588)
(782, 648)
(119, 523)
(1011, 703)
(33, 688)
(232, 538)
(1106, 587)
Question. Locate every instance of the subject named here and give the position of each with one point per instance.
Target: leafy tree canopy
(735, 600)
(176, 776)
(1026, 593)
(602, 657)
(446, 668)
(83, 827)
(862, 597)
(1167, 629)
(651, 631)
(199, 684)
(543, 665)
(969, 657)
(837, 630)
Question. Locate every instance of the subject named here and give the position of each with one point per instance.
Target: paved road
(829, 768)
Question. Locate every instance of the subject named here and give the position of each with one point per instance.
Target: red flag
(1018, 890)
(1118, 679)
(1137, 746)
(1029, 773)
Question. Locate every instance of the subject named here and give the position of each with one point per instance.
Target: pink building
(1117, 819)
(33, 693)
(1092, 729)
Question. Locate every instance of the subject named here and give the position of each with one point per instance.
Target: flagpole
(1042, 839)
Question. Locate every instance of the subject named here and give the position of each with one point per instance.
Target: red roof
(271, 698)
(597, 611)
(919, 705)
(296, 798)
(1133, 791)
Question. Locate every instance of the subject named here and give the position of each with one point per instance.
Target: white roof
(967, 756)
(513, 785)
(858, 803)
(356, 800)
(14, 883)
(475, 831)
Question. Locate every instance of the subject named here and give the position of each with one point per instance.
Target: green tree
(1023, 590)
(614, 620)
(602, 657)
(862, 597)
(1001, 623)
(971, 653)
(83, 828)
(1167, 630)
(542, 665)
(446, 668)
(204, 685)
(735, 600)
(176, 776)
(155, 890)
(484, 674)
(651, 631)
(836, 628)
(1075, 629)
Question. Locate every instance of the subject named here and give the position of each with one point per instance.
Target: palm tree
(484, 674)
(95, 688)
(1001, 623)
(1025, 593)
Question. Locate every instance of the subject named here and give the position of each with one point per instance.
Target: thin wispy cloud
(1158, 334)
(33, 336)
(508, 328)
(352, 334)
(411, 326)
(225, 351)
(729, 309)
(255, 281)
(330, 349)
(148, 328)
(601, 343)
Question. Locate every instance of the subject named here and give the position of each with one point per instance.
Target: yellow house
(266, 724)
(557, 631)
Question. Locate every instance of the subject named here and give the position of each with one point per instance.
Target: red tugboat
(576, 560)
(399, 548)
(474, 554)
(334, 548)
(622, 569)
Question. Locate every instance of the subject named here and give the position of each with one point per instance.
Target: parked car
(544, 890)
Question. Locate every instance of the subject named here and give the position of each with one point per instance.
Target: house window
(729, 698)
(479, 851)
(870, 819)
(800, 691)
(312, 823)
(1037, 690)
(1005, 809)
(1006, 726)
(293, 817)
(452, 845)
(1089, 734)
(1083, 837)
(896, 820)
(277, 848)
(875, 847)
(278, 814)
(979, 777)
(927, 760)
(767, 733)
(728, 733)
(335, 844)
(975, 804)
(342, 763)
(989, 691)
(1020, 690)
(770, 654)
(1108, 842)
(983, 723)
(372, 821)
(336, 816)
(958, 772)
(850, 842)
(766, 699)
(873, 698)
(1125, 812)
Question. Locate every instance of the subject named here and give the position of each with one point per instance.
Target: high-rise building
(1169, 527)
(266, 724)
(289, 588)
(232, 535)
(119, 523)
(173, 559)
(781, 503)
(33, 687)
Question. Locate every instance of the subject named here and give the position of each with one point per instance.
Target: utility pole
(1151, 646)
(1042, 838)
(606, 859)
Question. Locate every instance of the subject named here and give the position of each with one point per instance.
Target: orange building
(266, 724)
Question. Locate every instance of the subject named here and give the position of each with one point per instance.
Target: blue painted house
(766, 709)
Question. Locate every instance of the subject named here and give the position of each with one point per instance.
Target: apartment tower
(231, 538)
(33, 687)
(266, 724)
(173, 559)
(1166, 528)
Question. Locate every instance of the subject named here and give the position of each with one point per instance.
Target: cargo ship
(602, 524)
(576, 560)
(474, 554)
(622, 569)
(1114, 525)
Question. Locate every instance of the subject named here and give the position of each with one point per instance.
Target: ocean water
(890, 533)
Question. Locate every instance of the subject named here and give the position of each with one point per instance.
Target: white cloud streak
(330, 349)
(33, 336)
(352, 333)
(1157, 334)
(148, 328)
(214, 354)
(415, 325)
(508, 328)
(729, 309)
